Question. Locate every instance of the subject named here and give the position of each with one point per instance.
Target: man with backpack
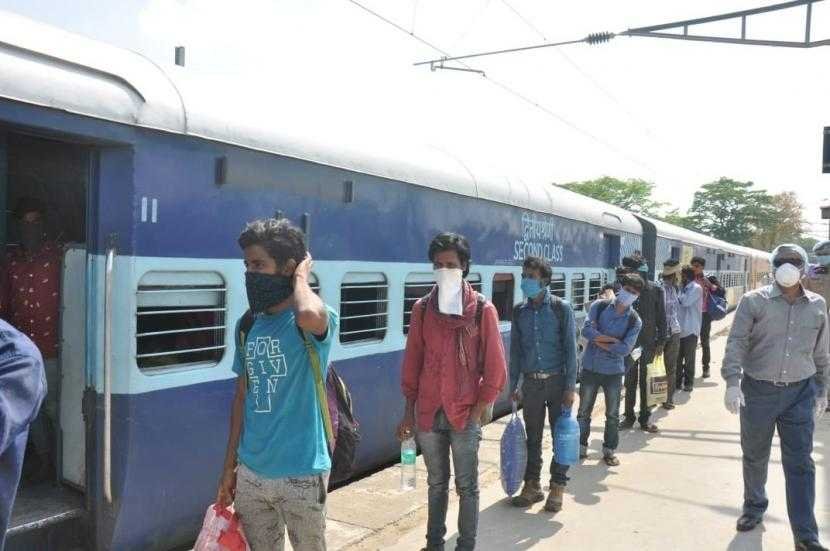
(276, 469)
(612, 328)
(453, 371)
(543, 355)
(698, 264)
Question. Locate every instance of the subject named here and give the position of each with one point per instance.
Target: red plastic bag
(221, 531)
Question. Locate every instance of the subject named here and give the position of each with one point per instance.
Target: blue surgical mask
(823, 259)
(531, 287)
(643, 268)
(625, 298)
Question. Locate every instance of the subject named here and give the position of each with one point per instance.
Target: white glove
(821, 407)
(734, 399)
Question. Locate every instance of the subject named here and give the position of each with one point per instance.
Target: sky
(677, 113)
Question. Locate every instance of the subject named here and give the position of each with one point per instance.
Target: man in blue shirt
(689, 314)
(543, 354)
(22, 390)
(277, 461)
(611, 328)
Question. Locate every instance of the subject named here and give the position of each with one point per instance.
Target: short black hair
(281, 239)
(26, 205)
(540, 264)
(632, 263)
(607, 287)
(671, 262)
(632, 280)
(698, 260)
(688, 272)
(448, 241)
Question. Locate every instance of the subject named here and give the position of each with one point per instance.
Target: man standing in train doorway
(543, 355)
(453, 369)
(277, 460)
(651, 308)
(30, 301)
(698, 264)
(775, 368)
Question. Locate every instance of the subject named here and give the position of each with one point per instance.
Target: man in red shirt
(453, 370)
(30, 301)
(698, 264)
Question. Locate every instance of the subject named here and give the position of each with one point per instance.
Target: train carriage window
(578, 291)
(314, 283)
(364, 306)
(475, 281)
(180, 319)
(675, 253)
(503, 285)
(415, 287)
(557, 285)
(594, 286)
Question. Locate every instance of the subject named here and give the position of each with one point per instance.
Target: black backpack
(348, 429)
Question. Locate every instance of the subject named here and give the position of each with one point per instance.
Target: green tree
(632, 194)
(731, 210)
(783, 222)
(684, 221)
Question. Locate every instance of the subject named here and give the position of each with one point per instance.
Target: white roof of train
(46, 66)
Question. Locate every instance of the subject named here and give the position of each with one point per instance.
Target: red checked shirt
(30, 295)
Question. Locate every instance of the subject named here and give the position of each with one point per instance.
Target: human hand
(734, 399)
(227, 488)
(821, 407)
(303, 270)
(568, 398)
(515, 395)
(406, 428)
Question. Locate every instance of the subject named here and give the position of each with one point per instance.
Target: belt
(540, 375)
(777, 383)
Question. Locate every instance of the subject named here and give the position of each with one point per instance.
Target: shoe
(688, 388)
(809, 546)
(747, 523)
(531, 493)
(626, 424)
(611, 460)
(554, 502)
(668, 405)
(705, 374)
(583, 452)
(649, 427)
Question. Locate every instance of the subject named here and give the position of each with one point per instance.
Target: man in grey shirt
(775, 366)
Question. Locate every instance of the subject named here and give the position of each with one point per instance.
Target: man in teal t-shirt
(277, 461)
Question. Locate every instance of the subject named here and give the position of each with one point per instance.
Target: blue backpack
(717, 307)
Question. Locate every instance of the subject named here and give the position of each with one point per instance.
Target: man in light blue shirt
(690, 316)
(612, 328)
(277, 460)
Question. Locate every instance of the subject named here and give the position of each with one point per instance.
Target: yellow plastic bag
(657, 383)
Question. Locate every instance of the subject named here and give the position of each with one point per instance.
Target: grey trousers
(269, 506)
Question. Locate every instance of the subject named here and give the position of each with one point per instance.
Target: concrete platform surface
(677, 490)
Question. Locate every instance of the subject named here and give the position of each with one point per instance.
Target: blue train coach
(147, 187)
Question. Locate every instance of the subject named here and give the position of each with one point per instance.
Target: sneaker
(705, 374)
(555, 497)
(583, 452)
(626, 424)
(649, 427)
(747, 523)
(531, 493)
(610, 459)
(688, 388)
(668, 405)
(809, 546)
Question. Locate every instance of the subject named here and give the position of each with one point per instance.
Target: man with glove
(775, 367)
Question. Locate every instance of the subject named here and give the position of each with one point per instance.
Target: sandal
(611, 460)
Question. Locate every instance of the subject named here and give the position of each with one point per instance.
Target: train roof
(678, 233)
(46, 66)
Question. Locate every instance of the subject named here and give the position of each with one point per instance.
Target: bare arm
(227, 484)
(310, 311)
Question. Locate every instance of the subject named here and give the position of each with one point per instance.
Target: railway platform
(676, 490)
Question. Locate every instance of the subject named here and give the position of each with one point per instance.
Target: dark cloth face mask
(266, 290)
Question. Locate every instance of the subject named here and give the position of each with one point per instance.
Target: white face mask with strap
(449, 282)
(787, 275)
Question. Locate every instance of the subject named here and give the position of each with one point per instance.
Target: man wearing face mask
(543, 355)
(688, 314)
(671, 292)
(612, 328)
(453, 371)
(775, 369)
(30, 301)
(651, 308)
(277, 460)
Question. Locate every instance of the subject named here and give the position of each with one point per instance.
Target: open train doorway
(44, 186)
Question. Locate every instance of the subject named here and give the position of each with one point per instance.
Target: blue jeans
(435, 447)
(612, 389)
(541, 397)
(790, 410)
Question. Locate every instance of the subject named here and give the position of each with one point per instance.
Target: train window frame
(364, 283)
(503, 298)
(559, 285)
(594, 286)
(413, 281)
(476, 282)
(160, 295)
(578, 305)
(314, 283)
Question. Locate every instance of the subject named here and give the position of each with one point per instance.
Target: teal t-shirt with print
(282, 432)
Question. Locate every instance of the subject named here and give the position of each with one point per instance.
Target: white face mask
(449, 290)
(787, 275)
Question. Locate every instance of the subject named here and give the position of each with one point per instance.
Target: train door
(44, 183)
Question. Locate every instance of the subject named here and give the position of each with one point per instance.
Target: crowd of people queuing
(454, 368)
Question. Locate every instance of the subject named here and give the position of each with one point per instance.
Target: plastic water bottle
(566, 439)
(408, 454)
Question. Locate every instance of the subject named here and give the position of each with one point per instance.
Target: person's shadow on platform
(526, 529)
(748, 541)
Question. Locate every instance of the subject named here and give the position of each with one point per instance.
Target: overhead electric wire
(512, 91)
